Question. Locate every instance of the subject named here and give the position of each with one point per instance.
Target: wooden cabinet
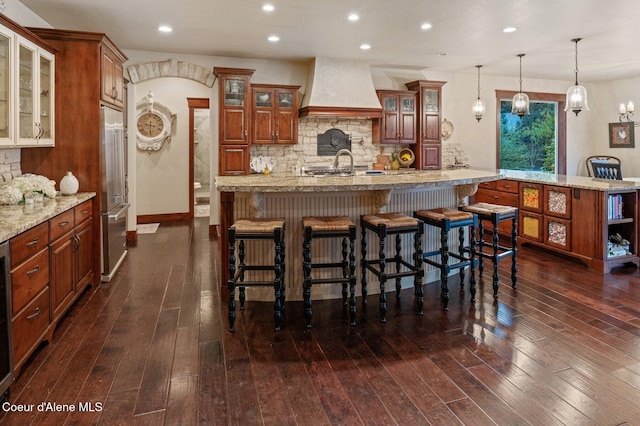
(30, 291)
(234, 120)
(429, 116)
(71, 257)
(275, 114)
(112, 87)
(620, 231)
(27, 75)
(398, 122)
(503, 192)
(79, 82)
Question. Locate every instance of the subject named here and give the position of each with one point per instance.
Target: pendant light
(478, 107)
(577, 94)
(520, 104)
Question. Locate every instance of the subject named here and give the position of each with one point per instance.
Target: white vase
(69, 184)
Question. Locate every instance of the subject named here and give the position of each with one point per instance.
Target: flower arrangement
(15, 191)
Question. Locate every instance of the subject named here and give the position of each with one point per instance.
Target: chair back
(606, 165)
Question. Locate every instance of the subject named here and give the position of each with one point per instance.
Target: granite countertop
(287, 182)
(17, 219)
(581, 182)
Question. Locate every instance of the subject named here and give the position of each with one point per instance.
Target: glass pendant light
(577, 94)
(478, 106)
(520, 104)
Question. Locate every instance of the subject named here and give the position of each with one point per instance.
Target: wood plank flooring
(152, 347)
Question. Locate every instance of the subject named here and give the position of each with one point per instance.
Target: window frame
(561, 143)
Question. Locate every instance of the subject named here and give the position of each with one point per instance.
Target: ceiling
(468, 31)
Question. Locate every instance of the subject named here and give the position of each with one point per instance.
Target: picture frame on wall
(621, 135)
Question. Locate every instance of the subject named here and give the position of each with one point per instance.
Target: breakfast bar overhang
(291, 197)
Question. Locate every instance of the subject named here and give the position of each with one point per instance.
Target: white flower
(25, 184)
(10, 194)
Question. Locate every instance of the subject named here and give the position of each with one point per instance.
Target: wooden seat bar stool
(495, 213)
(388, 224)
(266, 229)
(330, 227)
(445, 260)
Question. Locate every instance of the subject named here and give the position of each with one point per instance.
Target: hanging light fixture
(520, 104)
(478, 106)
(576, 95)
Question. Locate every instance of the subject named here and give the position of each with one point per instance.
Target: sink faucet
(337, 158)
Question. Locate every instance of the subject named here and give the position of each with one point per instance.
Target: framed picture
(621, 135)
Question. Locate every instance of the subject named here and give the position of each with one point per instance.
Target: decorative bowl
(406, 157)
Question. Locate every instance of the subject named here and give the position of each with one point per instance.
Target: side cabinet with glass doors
(35, 72)
(7, 45)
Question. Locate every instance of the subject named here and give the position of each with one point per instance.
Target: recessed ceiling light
(441, 54)
(365, 46)
(273, 38)
(425, 26)
(509, 29)
(268, 7)
(353, 17)
(165, 28)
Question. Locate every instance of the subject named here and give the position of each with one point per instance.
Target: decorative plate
(447, 129)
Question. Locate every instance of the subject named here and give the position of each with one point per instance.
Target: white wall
(18, 12)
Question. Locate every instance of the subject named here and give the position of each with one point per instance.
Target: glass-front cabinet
(6, 91)
(35, 71)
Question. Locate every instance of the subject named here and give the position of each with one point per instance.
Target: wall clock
(153, 124)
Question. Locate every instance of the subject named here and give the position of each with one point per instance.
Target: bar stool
(495, 213)
(383, 225)
(330, 227)
(256, 229)
(446, 220)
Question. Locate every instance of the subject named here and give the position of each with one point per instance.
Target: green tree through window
(535, 142)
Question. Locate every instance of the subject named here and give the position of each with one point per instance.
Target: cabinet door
(29, 327)
(83, 260)
(431, 157)
(407, 119)
(234, 160)
(235, 119)
(7, 96)
(531, 197)
(112, 78)
(286, 117)
(557, 233)
(27, 63)
(531, 226)
(557, 201)
(45, 120)
(62, 279)
(263, 116)
(390, 119)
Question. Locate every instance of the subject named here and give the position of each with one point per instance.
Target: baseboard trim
(159, 218)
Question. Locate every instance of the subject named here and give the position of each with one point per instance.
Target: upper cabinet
(429, 107)
(275, 114)
(112, 77)
(234, 113)
(27, 107)
(398, 123)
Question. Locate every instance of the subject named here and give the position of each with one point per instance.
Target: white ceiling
(469, 31)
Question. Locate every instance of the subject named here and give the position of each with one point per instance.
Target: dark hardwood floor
(152, 347)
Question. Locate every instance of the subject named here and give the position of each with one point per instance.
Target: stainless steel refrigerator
(114, 199)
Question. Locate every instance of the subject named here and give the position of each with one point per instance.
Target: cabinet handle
(114, 92)
(63, 224)
(34, 270)
(495, 197)
(246, 133)
(85, 211)
(276, 136)
(32, 243)
(34, 314)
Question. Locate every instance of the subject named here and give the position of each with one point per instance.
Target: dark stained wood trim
(194, 103)
(132, 236)
(562, 123)
(213, 231)
(81, 36)
(226, 220)
(339, 112)
(168, 217)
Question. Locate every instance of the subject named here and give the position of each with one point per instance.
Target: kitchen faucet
(337, 158)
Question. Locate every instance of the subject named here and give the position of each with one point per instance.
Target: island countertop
(581, 182)
(17, 219)
(286, 182)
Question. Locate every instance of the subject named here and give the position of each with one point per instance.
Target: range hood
(340, 88)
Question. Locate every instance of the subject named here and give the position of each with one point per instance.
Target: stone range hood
(340, 88)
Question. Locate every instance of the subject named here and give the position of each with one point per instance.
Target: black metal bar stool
(383, 225)
(256, 229)
(446, 220)
(495, 213)
(330, 227)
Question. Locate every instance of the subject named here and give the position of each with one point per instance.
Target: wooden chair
(604, 167)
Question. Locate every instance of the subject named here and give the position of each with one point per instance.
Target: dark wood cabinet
(275, 114)
(234, 120)
(112, 76)
(429, 116)
(398, 122)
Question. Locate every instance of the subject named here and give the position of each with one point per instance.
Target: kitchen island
(293, 197)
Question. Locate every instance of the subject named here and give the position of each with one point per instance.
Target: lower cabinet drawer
(29, 279)
(531, 226)
(30, 325)
(557, 233)
(496, 197)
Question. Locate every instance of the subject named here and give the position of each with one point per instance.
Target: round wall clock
(153, 124)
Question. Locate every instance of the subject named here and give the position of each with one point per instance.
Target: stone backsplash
(9, 164)
(306, 150)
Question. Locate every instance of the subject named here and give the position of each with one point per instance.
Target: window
(535, 142)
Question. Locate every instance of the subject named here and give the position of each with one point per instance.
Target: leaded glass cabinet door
(6, 89)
